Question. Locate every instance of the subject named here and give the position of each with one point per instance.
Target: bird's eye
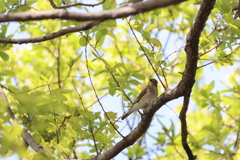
(153, 80)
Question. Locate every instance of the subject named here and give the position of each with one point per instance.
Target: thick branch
(130, 9)
(182, 89)
(31, 142)
(184, 128)
(191, 66)
(192, 40)
(55, 14)
(138, 131)
(191, 49)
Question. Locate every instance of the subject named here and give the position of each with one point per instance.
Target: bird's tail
(125, 115)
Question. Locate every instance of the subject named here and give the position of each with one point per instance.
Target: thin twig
(58, 62)
(89, 75)
(213, 61)
(80, 97)
(164, 76)
(163, 73)
(207, 64)
(97, 101)
(29, 90)
(211, 49)
(62, 124)
(215, 46)
(146, 55)
(121, 56)
(181, 48)
(108, 67)
(93, 137)
(75, 4)
(114, 78)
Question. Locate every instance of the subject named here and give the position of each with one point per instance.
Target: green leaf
(95, 55)
(104, 32)
(146, 35)
(111, 115)
(138, 26)
(100, 72)
(100, 36)
(74, 60)
(144, 49)
(210, 87)
(136, 151)
(138, 76)
(5, 73)
(82, 41)
(159, 57)
(110, 23)
(22, 28)
(151, 27)
(43, 77)
(61, 98)
(118, 65)
(98, 28)
(204, 93)
(155, 42)
(111, 91)
(209, 128)
(133, 81)
(3, 30)
(111, 82)
(110, 4)
(4, 56)
(233, 26)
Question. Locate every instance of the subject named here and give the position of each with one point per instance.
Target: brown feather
(126, 114)
(144, 91)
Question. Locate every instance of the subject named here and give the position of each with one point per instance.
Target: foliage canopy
(54, 86)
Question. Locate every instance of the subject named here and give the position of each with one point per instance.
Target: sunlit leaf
(4, 56)
(111, 115)
(151, 27)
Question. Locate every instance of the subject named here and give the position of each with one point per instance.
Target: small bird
(148, 94)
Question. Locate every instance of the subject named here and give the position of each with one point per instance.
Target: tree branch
(95, 92)
(104, 15)
(149, 61)
(184, 128)
(191, 66)
(82, 27)
(130, 9)
(183, 88)
(75, 4)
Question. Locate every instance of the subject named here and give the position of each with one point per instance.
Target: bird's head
(153, 82)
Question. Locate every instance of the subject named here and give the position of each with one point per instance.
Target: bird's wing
(132, 109)
(144, 91)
